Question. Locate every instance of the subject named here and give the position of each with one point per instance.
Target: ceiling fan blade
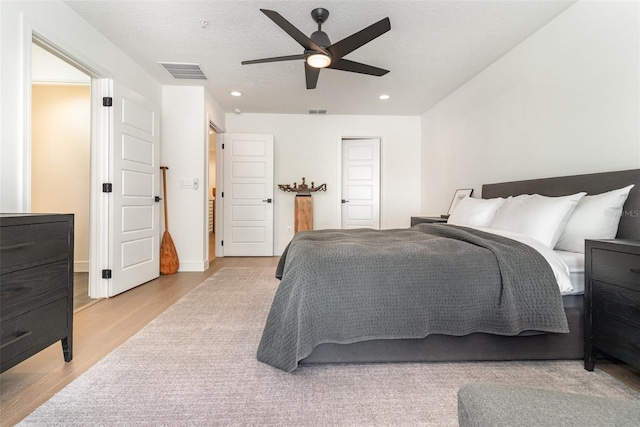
(354, 41)
(275, 59)
(357, 67)
(311, 75)
(288, 28)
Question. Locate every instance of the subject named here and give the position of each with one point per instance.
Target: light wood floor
(102, 326)
(81, 290)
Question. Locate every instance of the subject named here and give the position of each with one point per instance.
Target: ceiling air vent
(182, 71)
(317, 111)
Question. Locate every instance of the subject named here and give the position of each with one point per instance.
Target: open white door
(134, 172)
(248, 195)
(361, 183)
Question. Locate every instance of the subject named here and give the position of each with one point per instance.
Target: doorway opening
(61, 151)
(211, 229)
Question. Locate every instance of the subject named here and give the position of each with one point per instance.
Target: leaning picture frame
(459, 195)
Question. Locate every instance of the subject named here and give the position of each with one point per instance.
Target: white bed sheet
(575, 262)
(559, 267)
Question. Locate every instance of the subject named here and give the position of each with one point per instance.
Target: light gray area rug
(196, 365)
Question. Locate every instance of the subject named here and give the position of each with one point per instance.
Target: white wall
(565, 101)
(309, 146)
(61, 25)
(186, 111)
(182, 150)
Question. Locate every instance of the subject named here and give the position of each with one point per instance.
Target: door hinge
(107, 101)
(222, 243)
(222, 195)
(106, 274)
(223, 146)
(107, 187)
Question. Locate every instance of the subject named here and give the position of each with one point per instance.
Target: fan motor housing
(320, 38)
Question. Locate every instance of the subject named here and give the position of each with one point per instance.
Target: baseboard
(81, 266)
(193, 266)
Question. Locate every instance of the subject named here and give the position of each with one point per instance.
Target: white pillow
(539, 217)
(474, 212)
(595, 217)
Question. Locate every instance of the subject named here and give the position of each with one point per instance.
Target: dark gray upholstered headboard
(594, 183)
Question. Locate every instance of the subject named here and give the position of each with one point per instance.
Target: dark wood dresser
(612, 300)
(36, 285)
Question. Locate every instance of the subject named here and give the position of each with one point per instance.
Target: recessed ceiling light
(384, 97)
(237, 110)
(236, 93)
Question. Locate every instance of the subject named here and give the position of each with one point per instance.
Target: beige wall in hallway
(60, 156)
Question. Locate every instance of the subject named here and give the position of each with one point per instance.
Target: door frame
(218, 216)
(99, 233)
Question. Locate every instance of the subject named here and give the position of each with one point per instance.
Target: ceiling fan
(320, 53)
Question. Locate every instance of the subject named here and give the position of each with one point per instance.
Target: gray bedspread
(344, 286)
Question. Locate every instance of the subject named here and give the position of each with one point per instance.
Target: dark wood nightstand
(612, 300)
(426, 219)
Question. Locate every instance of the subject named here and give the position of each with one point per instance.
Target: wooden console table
(303, 213)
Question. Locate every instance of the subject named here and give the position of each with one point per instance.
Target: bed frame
(481, 346)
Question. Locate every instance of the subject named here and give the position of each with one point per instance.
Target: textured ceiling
(433, 47)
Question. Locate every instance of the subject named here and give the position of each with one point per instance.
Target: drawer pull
(19, 336)
(16, 246)
(635, 270)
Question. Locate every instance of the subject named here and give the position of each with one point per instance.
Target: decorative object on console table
(612, 300)
(427, 220)
(459, 195)
(36, 285)
(303, 207)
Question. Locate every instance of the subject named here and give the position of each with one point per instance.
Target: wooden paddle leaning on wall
(169, 261)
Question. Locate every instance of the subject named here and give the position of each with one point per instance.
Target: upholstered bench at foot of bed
(502, 405)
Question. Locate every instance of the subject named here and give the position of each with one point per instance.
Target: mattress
(575, 262)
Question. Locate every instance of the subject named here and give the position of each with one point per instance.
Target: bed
(531, 342)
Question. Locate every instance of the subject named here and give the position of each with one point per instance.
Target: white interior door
(248, 195)
(361, 183)
(134, 213)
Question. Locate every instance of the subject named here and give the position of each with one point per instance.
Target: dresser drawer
(24, 290)
(34, 331)
(33, 243)
(616, 267)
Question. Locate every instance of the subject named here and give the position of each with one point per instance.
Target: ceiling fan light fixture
(318, 60)
(320, 53)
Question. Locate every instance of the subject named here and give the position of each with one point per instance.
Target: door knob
(345, 201)
(267, 200)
